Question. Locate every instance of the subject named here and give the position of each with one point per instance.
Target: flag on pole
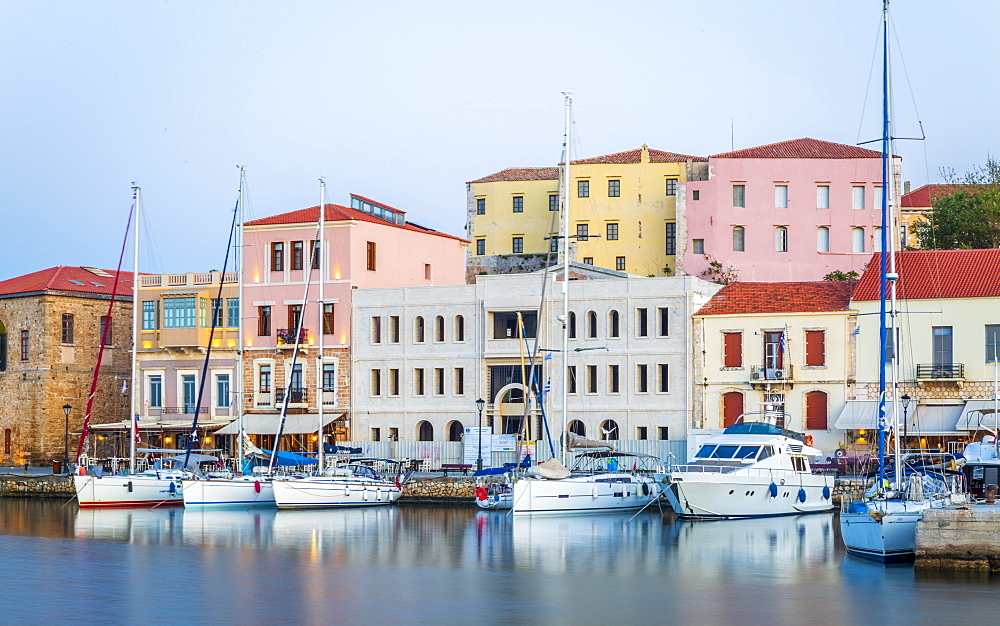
(136, 418)
(124, 387)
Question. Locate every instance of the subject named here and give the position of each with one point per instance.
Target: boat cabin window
(799, 464)
(748, 452)
(766, 451)
(725, 452)
(705, 452)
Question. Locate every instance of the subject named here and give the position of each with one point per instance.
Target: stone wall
(444, 489)
(505, 264)
(15, 486)
(966, 538)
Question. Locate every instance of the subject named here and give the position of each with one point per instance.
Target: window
(232, 312)
(620, 263)
(264, 321)
(418, 381)
(370, 256)
(641, 433)
(439, 381)
(376, 382)
(591, 325)
(878, 199)
(612, 232)
(664, 432)
(297, 393)
(857, 240)
(553, 244)
(671, 238)
(942, 346)
(553, 202)
(698, 246)
(822, 196)
(571, 379)
(614, 188)
(858, 197)
(376, 434)
(588, 260)
(264, 378)
(480, 247)
(613, 323)
(222, 399)
(439, 329)
(26, 344)
(149, 315)
(203, 310)
(992, 342)
(642, 322)
(664, 377)
(696, 194)
(216, 312)
(106, 327)
(517, 245)
(815, 348)
(297, 255)
(739, 196)
(671, 186)
(277, 256)
(664, 314)
(816, 410)
(480, 206)
(459, 328)
(591, 379)
(156, 392)
(738, 239)
(781, 196)
(427, 271)
(178, 313)
(519, 204)
(822, 239)
(67, 328)
(393, 329)
(582, 232)
(329, 378)
(188, 393)
(393, 382)
(583, 189)
(418, 329)
(459, 381)
(732, 349)
(613, 379)
(294, 316)
(780, 239)
(571, 322)
(877, 239)
(642, 378)
(314, 251)
(328, 319)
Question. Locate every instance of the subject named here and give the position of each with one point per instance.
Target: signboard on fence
(477, 441)
(504, 443)
(524, 450)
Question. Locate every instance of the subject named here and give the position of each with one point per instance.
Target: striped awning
(858, 415)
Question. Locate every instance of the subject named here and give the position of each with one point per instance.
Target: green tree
(836, 275)
(968, 214)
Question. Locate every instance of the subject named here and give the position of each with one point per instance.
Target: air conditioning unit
(779, 374)
(755, 375)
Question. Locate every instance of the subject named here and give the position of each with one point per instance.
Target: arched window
(781, 239)
(609, 430)
(455, 431)
(816, 410)
(857, 240)
(459, 328)
(3, 347)
(577, 428)
(439, 328)
(418, 329)
(425, 432)
(613, 324)
(591, 324)
(877, 239)
(738, 239)
(822, 239)
(732, 407)
(571, 322)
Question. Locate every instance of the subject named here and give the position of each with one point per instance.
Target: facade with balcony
(423, 356)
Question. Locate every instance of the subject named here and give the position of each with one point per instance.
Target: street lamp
(66, 409)
(905, 399)
(480, 404)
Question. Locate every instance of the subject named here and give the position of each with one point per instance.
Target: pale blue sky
(404, 102)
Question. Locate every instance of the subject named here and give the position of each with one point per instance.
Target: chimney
(644, 156)
(906, 186)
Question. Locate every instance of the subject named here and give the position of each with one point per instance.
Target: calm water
(425, 564)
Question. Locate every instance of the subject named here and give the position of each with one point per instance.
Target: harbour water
(411, 564)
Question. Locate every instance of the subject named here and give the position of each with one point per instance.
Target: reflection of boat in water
(146, 526)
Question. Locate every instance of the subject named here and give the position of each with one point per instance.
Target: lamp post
(905, 399)
(66, 409)
(480, 404)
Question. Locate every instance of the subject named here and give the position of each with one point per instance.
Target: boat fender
(802, 495)
(480, 493)
(773, 490)
(172, 488)
(826, 492)
(82, 471)
(645, 489)
(593, 491)
(256, 486)
(129, 485)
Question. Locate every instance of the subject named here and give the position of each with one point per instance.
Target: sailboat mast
(565, 285)
(239, 321)
(133, 403)
(320, 374)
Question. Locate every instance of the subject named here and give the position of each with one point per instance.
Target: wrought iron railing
(296, 396)
(182, 410)
(940, 370)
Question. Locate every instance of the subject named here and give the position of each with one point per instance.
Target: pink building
(790, 211)
(367, 245)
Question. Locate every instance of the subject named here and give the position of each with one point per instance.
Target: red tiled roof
(804, 148)
(922, 196)
(635, 156)
(61, 278)
(928, 274)
(516, 174)
(338, 213)
(805, 297)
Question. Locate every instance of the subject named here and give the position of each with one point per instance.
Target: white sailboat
(596, 483)
(882, 524)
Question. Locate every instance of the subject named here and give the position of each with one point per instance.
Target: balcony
(761, 376)
(941, 373)
(286, 337)
(296, 397)
(183, 410)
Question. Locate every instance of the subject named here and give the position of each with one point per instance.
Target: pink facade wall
(712, 217)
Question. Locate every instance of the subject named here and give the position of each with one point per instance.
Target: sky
(404, 102)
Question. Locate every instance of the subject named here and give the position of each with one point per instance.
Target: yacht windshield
(725, 452)
(748, 452)
(705, 452)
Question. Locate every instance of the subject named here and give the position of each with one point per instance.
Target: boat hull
(583, 494)
(238, 492)
(127, 491)
(322, 492)
(885, 533)
(734, 496)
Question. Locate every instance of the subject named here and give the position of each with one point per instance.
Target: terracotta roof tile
(338, 213)
(804, 148)
(63, 278)
(804, 297)
(928, 274)
(922, 196)
(516, 174)
(635, 156)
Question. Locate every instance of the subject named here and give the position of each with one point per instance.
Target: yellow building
(622, 207)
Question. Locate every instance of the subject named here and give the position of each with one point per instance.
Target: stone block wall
(966, 538)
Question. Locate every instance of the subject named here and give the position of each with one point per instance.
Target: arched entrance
(609, 430)
(577, 428)
(425, 431)
(455, 431)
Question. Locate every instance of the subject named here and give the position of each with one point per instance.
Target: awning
(267, 424)
(977, 414)
(146, 425)
(858, 415)
(934, 419)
